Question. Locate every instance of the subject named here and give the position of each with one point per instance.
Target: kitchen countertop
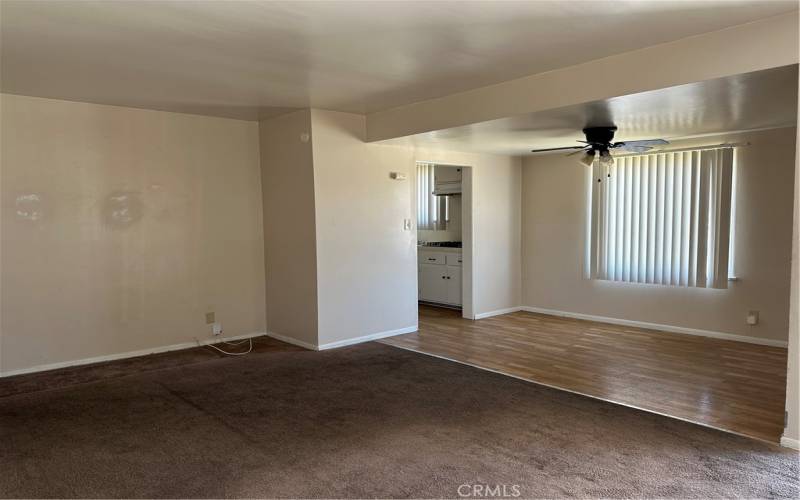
(438, 249)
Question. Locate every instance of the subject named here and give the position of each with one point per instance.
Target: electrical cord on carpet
(250, 340)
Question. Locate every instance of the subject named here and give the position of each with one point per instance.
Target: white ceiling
(762, 99)
(251, 59)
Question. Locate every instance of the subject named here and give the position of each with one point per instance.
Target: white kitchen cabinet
(432, 258)
(433, 283)
(453, 285)
(453, 259)
(447, 180)
(446, 174)
(439, 277)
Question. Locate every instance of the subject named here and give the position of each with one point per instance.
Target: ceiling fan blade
(648, 142)
(583, 150)
(556, 149)
(633, 148)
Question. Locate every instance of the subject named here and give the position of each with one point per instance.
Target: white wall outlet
(217, 328)
(752, 317)
(407, 224)
(210, 318)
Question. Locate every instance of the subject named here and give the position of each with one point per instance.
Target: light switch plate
(407, 224)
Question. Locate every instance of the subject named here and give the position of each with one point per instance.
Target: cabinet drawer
(432, 258)
(453, 259)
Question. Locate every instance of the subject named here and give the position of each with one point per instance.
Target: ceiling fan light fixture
(606, 159)
(588, 158)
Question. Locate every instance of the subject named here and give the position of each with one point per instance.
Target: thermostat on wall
(398, 176)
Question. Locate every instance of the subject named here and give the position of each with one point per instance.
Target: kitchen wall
(290, 245)
(121, 227)
(554, 214)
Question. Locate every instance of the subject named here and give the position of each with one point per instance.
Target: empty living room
(399, 249)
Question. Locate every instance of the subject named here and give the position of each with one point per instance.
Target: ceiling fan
(599, 144)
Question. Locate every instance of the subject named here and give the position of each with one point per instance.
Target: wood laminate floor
(729, 385)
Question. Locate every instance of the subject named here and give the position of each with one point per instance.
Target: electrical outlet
(210, 318)
(217, 328)
(752, 317)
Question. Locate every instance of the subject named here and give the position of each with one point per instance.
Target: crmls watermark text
(489, 490)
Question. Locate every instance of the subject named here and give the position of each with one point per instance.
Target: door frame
(467, 231)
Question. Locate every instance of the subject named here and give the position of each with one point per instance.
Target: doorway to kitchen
(444, 236)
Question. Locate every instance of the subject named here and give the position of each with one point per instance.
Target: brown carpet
(365, 421)
(76, 375)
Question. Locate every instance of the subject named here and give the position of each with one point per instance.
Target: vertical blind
(432, 211)
(663, 218)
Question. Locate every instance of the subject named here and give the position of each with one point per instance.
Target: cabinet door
(454, 259)
(431, 258)
(453, 285)
(433, 282)
(446, 174)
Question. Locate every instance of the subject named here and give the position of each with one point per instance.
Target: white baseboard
(293, 341)
(188, 345)
(657, 326)
(342, 343)
(125, 355)
(369, 338)
(497, 312)
(790, 443)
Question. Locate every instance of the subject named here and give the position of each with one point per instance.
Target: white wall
(791, 435)
(121, 227)
(554, 214)
(290, 251)
(366, 262)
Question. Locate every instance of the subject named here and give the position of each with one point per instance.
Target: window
(662, 218)
(433, 212)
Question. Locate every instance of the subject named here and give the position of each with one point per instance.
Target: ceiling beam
(768, 43)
